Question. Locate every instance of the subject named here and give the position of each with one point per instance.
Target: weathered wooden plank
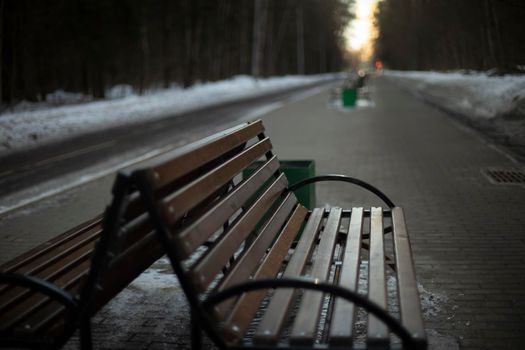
(28, 306)
(51, 264)
(179, 203)
(307, 319)
(36, 253)
(273, 320)
(199, 231)
(409, 302)
(246, 264)
(246, 306)
(206, 269)
(378, 333)
(172, 167)
(344, 311)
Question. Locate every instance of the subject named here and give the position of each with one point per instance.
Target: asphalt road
(28, 169)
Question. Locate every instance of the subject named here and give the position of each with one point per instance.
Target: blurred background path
(466, 230)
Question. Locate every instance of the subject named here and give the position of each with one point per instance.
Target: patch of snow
(159, 276)
(119, 91)
(474, 94)
(61, 97)
(21, 130)
(430, 302)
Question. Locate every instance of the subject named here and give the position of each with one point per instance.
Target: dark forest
(87, 46)
(451, 34)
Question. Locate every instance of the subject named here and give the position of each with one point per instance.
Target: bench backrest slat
(246, 264)
(133, 231)
(344, 311)
(187, 198)
(204, 152)
(378, 333)
(11, 297)
(201, 230)
(66, 253)
(409, 302)
(206, 268)
(13, 266)
(247, 304)
(16, 302)
(22, 314)
(273, 321)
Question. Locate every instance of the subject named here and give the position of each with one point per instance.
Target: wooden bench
(251, 282)
(51, 291)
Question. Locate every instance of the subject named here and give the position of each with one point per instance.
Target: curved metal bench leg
(196, 334)
(85, 335)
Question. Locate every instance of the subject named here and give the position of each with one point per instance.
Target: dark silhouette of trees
(89, 46)
(449, 34)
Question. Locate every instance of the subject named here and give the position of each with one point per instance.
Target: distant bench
(233, 243)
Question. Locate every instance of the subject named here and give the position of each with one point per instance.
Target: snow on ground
(491, 101)
(23, 129)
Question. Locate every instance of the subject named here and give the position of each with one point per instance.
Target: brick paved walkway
(468, 234)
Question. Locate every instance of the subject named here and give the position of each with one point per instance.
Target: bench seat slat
(409, 302)
(133, 231)
(307, 319)
(272, 323)
(199, 231)
(206, 269)
(65, 254)
(247, 305)
(205, 151)
(341, 325)
(246, 264)
(188, 197)
(378, 333)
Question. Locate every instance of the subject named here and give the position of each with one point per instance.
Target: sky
(360, 32)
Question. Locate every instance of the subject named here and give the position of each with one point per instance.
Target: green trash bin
(349, 97)
(295, 171)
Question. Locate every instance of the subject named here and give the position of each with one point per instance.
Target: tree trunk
(2, 2)
(259, 29)
(300, 40)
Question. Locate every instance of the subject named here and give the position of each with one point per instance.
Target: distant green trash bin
(295, 171)
(349, 97)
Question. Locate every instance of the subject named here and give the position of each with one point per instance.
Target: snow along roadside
(28, 129)
(494, 102)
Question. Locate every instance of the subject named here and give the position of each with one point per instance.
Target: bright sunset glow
(359, 34)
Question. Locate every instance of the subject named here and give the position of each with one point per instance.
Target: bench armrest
(395, 326)
(343, 178)
(39, 285)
